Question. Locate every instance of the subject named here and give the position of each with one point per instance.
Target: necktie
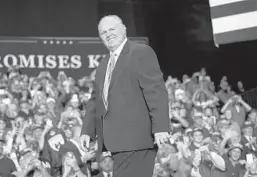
(252, 144)
(107, 80)
(108, 175)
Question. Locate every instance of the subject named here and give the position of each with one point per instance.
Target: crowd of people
(213, 130)
(212, 133)
(40, 125)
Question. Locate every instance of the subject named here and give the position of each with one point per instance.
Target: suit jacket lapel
(103, 74)
(116, 72)
(119, 65)
(101, 82)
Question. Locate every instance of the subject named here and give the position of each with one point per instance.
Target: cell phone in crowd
(249, 158)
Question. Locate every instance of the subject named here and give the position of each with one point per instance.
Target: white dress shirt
(117, 52)
(110, 67)
(106, 174)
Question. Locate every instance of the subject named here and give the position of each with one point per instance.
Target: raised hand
(161, 138)
(84, 142)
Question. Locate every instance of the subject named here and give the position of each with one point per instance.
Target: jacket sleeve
(153, 87)
(89, 120)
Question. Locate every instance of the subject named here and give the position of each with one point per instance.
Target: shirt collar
(248, 137)
(106, 174)
(119, 49)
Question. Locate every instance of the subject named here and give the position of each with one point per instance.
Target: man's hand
(84, 142)
(37, 163)
(87, 156)
(228, 135)
(242, 162)
(72, 162)
(49, 125)
(204, 149)
(13, 156)
(161, 138)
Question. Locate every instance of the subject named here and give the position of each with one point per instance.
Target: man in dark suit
(130, 110)
(248, 140)
(106, 165)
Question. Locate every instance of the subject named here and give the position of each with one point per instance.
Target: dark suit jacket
(137, 99)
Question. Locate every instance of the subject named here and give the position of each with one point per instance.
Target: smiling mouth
(110, 39)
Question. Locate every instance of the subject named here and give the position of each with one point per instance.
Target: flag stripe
(234, 22)
(214, 3)
(236, 36)
(234, 8)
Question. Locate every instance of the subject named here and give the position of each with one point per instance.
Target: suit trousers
(139, 163)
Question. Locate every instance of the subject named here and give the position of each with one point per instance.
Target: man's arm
(153, 87)
(245, 105)
(218, 161)
(89, 121)
(227, 104)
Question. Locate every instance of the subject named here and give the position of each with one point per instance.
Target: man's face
(208, 112)
(253, 117)
(36, 85)
(203, 72)
(51, 105)
(179, 96)
(107, 164)
(183, 112)
(248, 131)
(235, 154)
(19, 122)
(12, 111)
(39, 119)
(222, 127)
(74, 104)
(228, 114)
(68, 132)
(202, 96)
(42, 109)
(37, 133)
(112, 32)
(224, 85)
(24, 93)
(240, 84)
(198, 137)
(198, 121)
(24, 106)
(235, 139)
(185, 77)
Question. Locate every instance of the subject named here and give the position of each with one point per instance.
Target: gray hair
(115, 17)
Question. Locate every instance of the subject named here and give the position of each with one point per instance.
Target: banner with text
(77, 57)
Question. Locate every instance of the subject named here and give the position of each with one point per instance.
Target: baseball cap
(104, 155)
(197, 130)
(234, 146)
(247, 124)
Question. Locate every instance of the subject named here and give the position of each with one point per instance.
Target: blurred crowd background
(212, 129)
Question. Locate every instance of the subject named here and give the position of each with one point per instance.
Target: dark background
(179, 31)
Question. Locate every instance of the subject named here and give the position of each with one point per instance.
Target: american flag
(233, 20)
